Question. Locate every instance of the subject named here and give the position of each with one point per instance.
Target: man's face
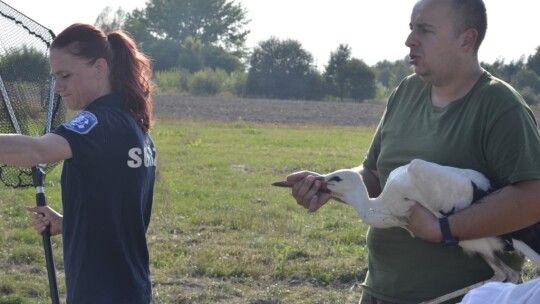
(433, 42)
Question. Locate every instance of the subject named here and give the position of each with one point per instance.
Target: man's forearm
(509, 209)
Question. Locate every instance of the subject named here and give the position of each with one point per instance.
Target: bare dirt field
(230, 109)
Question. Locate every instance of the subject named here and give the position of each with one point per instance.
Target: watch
(447, 238)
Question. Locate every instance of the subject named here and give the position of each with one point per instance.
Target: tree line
(199, 47)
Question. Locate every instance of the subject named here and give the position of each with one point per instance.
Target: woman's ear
(102, 68)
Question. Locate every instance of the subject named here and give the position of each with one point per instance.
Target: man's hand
(423, 224)
(306, 190)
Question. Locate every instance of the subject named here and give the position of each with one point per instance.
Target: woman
(109, 168)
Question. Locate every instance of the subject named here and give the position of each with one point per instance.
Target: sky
(374, 30)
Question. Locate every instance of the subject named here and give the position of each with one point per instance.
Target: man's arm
(509, 209)
(371, 180)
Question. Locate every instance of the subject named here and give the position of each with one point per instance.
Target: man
(454, 113)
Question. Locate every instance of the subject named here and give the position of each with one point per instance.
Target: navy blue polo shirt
(107, 190)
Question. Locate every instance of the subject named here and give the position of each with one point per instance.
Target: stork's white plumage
(441, 189)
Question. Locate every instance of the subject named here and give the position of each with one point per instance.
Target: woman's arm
(27, 151)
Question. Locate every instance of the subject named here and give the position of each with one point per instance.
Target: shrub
(236, 83)
(171, 81)
(207, 82)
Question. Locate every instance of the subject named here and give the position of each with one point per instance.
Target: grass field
(219, 232)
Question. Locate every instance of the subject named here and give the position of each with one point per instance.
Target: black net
(27, 103)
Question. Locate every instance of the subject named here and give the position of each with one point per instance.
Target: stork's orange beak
(287, 184)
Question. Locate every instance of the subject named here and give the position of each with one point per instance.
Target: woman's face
(78, 82)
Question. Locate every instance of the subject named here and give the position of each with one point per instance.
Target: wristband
(447, 238)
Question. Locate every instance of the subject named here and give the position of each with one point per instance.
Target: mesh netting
(27, 103)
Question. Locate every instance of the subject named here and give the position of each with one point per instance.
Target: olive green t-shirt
(490, 130)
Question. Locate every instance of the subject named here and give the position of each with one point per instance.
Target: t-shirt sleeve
(513, 146)
(80, 132)
(374, 150)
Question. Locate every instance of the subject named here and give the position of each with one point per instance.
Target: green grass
(219, 232)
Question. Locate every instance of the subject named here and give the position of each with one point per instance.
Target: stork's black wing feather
(529, 235)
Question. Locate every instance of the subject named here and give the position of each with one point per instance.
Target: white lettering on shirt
(141, 157)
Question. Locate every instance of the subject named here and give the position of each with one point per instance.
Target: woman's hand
(45, 216)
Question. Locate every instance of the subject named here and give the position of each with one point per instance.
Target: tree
(526, 79)
(533, 62)
(335, 72)
(281, 69)
(170, 29)
(168, 54)
(349, 77)
(529, 96)
(25, 69)
(31, 65)
(109, 21)
(360, 80)
(505, 71)
(213, 22)
(218, 58)
(390, 74)
(137, 24)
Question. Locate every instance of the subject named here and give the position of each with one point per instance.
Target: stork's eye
(335, 179)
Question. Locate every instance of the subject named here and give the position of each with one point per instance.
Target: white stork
(441, 189)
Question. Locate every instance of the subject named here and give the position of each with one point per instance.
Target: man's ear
(469, 39)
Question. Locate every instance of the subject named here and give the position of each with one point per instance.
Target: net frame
(28, 105)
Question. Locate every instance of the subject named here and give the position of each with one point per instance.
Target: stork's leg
(501, 273)
(505, 272)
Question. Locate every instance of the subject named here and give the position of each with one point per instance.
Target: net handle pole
(51, 105)
(38, 176)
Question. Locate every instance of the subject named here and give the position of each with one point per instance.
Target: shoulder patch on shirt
(82, 123)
